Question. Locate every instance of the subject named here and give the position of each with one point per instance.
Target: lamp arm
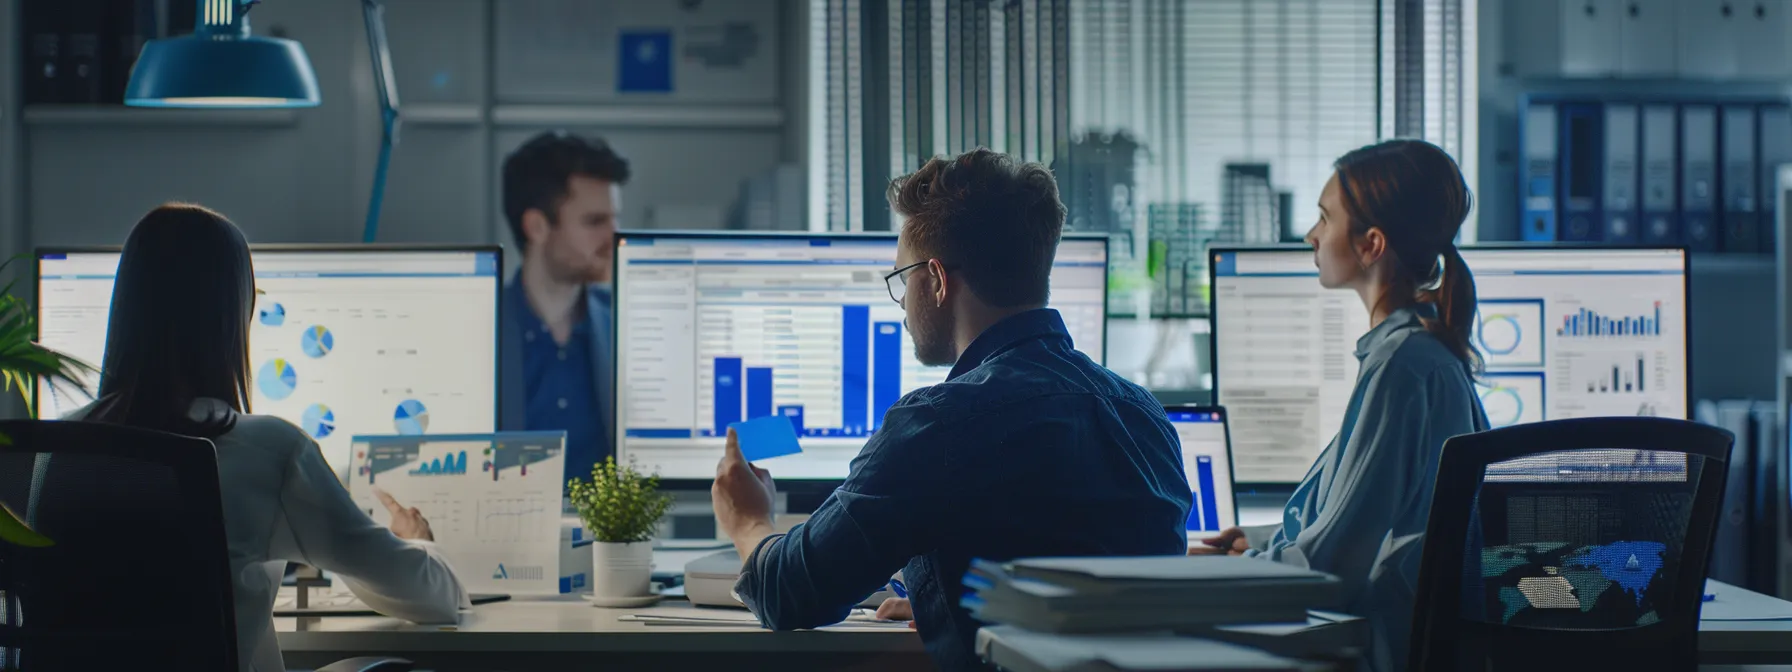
(381, 56)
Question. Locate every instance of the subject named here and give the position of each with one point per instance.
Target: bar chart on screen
(835, 370)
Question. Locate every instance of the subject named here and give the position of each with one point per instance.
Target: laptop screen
(1207, 459)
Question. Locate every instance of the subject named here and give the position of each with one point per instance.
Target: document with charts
(492, 500)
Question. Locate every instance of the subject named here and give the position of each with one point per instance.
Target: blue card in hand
(765, 438)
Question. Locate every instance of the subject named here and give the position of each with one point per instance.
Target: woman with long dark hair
(1387, 230)
(177, 360)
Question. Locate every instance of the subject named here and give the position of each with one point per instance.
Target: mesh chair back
(138, 576)
(1572, 545)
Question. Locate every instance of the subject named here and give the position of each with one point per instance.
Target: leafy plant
(23, 362)
(619, 505)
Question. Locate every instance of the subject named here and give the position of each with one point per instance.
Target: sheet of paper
(492, 500)
(1735, 604)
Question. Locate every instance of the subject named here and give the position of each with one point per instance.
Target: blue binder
(1621, 174)
(1698, 178)
(1581, 157)
(1775, 145)
(1740, 207)
(1661, 168)
(1537, 174)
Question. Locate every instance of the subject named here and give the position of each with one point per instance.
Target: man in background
(562, 194)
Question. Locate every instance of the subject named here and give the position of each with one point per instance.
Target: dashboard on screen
(1565, 333)
(716, 329)
(343, 342)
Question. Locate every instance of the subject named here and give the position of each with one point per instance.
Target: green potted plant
(621, 509)
(23, 362)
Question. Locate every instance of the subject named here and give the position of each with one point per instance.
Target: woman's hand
(407, 523)
(1229, 542)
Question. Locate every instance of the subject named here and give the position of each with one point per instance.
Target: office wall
(85, 175)
(1521, 52)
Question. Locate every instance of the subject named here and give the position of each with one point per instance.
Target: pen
(1710, 597)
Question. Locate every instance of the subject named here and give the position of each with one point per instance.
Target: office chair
(1570, 545)
(138, 575)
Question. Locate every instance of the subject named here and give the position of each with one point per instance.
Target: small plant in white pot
(621, 508)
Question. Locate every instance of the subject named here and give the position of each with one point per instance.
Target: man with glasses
(1028, 449)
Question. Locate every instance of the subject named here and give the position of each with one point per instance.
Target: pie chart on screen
(277, 380)
(317, 342)
(411, 418)
(273, 315)
(318, 421)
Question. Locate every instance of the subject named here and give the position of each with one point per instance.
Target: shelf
(442, 114)
(1732, 264)
(119, 115)
(642, 116)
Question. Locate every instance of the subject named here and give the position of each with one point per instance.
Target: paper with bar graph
(493, 500)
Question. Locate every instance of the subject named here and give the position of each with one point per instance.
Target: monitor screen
(1566, 333)
(343, 342)
(799, 326)
(1207, 458)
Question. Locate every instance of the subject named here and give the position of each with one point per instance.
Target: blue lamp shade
(222, 72)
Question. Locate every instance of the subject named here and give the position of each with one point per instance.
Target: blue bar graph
(795, 413)
(886, 382)
(855, 358)
(1210, 512)
(1587, 323)
(728, 384)
(454, 465)
(759, 392)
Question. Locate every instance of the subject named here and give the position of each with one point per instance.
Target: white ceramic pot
(621, 570)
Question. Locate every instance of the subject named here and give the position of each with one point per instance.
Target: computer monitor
(795, 325)
(1207, 460)
(1566, 332)
(345, 340)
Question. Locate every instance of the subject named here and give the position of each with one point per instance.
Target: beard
(931, 329)
(581, 270)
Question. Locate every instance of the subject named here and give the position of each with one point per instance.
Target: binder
(1661, 165)
(1621, 174)
(1741, 228)
(82, 51)
(1698, 177)
(1537, 178)
(43, 52)
(1580, 156)
(1775, 148)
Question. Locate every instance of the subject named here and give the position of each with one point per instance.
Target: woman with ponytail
(1387, 226)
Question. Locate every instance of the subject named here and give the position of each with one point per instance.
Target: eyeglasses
(897, 281)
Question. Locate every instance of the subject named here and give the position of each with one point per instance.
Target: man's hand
(896, 609)
(406, 523)
(1229, 542)
(743, 496)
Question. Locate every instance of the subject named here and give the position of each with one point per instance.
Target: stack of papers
(1015, 649)
(1085, 595)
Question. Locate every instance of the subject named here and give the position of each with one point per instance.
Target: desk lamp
(221, 65)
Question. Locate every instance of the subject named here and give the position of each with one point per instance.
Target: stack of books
(1103, 610)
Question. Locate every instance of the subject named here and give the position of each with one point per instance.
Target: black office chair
(1570, 545)
(138, 576)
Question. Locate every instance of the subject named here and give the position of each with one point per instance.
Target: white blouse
(283, 503)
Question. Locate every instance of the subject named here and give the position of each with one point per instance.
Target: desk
(1746, 642)
(567, 633)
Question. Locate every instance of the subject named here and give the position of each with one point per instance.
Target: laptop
(1207, 460)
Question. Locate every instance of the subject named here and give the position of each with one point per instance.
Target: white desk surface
(571, 625)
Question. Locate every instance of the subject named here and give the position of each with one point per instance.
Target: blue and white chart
(493, 500)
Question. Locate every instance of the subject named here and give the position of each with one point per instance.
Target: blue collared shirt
(1361, 511)
(558, 383)
(1028, 449)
